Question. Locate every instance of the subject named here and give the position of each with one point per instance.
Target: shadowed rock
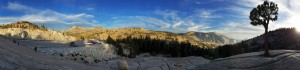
(279, 60)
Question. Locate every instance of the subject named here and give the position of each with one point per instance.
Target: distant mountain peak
(134, 28)
(210, 36)
(74, 27)
(191, 32)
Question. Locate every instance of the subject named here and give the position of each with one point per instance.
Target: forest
(169, 48)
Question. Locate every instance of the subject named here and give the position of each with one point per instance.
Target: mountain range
(205, 40)
(197, 38)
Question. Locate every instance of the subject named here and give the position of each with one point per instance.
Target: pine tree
(262, 15)
(110, 40)
(43, 27)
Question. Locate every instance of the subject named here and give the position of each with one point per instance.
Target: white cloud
(163, 23)
(90, 9)
(155, 21)
(167, 20)
(240, 30)
(82, 15)
(139, 21)
(177, 24)
(19, 7)
(52, 19)
(206, 14)
(191, 2)
(197, 28)
(169, 15)
(193, 22)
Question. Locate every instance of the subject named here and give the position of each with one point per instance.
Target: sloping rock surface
(161, 63)
(35, 34)
(279, 39)
(17, 57)
(14, 57)
(279, 60)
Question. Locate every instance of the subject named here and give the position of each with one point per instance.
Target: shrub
(61, 55)
(35, 48)
(14, 41)
(73, 44)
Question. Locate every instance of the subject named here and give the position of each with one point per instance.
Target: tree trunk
(266, 42)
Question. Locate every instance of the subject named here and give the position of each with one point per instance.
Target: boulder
(89, 60)
(23, 34)
(122, 65)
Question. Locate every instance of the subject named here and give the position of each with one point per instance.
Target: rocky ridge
(35, 34)
(283, 38)
(210, 36)
(27, 30)
(119, 33)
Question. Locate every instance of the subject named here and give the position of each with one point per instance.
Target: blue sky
(227, 17)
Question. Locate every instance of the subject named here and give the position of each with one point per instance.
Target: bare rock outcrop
(279, 60)
(210, 36)
(160, 63)
(35, 34)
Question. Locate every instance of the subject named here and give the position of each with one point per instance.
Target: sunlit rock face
(210, 36)
(28, 30)
(35, 34)
(120, 33)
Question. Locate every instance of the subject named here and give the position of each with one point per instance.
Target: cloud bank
(51, 19)
(230, 20)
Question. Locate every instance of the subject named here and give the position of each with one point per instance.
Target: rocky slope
(279, 60)
(35, 34)
(161, 63)
(210, 36)
(283, 38)
(17, 57)
(27, 30)
(14, 57)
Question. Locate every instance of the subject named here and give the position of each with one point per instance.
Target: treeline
(173, 48)
(229, 50)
